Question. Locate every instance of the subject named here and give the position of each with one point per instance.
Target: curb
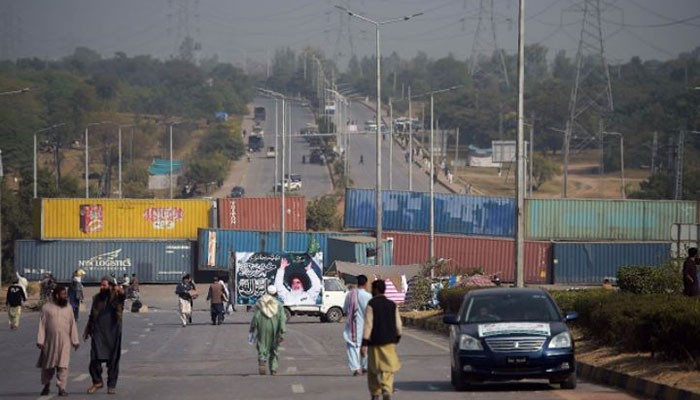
(629, 383)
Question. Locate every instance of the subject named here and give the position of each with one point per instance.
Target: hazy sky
(237, 30)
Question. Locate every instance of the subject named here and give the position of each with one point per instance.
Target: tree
(209, 170)
(321, 214)
(543, 169)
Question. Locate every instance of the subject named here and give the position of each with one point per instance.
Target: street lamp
(622, 161)
(87, 153)
(432, 163)
(281, 150)
(48, 128)
(377, 24)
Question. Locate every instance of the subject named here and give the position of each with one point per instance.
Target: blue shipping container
(410, 211)
(591, 262)
(355, 248)
(215, 245)
(151, 261)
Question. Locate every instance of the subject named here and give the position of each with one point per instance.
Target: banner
(297, 277)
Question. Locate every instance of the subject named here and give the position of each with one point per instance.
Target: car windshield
(510, 307)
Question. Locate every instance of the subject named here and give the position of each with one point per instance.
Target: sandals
(95, 387)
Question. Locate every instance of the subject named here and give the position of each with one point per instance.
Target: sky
(240, 31)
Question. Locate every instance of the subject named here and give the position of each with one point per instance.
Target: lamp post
(410, 142)
(35, 153)
(622, 161)
(432, 163)
(377, 24)
(120, 156)
(170, 174)
(87, 155)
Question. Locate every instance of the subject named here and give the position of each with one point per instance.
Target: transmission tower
(183, 23)
(591, 96)
(486, 40)
(9, 31)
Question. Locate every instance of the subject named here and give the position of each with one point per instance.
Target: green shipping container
(585, 219)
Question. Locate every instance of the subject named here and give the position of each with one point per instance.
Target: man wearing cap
(268, 326)
(75, 292)
(186, 292)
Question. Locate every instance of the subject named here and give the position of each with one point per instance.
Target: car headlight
(560, 341)
(467, 342)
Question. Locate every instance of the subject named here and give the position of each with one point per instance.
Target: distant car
(295, 181)
(270, 152)
(237, 191)
(510, 334)
(290, 185)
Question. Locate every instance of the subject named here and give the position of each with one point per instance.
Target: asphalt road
(365, 175)
(161, 360)
(261, 174)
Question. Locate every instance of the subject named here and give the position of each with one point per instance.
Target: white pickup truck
(331, 308)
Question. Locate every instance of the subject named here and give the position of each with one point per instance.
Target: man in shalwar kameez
(105, 327)
(382, 333)
(57, 333)
(268, 325)
(355, 304)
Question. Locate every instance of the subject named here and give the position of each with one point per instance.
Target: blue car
(510, 334)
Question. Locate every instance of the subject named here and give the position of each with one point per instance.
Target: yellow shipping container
(120, 218)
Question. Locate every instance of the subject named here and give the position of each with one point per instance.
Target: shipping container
(410, 211)
(683, 237)
(358, 249)
(262, 213)
(582, 219)
(152, 261)
(591, 262)
(493, 256)
(120, 218)
(215, 245)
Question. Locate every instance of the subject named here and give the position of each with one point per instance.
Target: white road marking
(142, 335)
(81, 377)
(289, 358)
(147, 329)
(150, 324)
(124, 351)
(297, 388)
(134, 343)
(437, 346)
(291, 370)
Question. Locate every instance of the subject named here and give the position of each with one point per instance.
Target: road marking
(147, 329)
(81, 377)
(289, 358)
(134, 343)
(438, 346)
(291, 370)
(142, 335)
(150, 324)
(124, 351)
(297, 388)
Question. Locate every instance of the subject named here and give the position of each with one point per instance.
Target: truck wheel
(287, 314)
(335, 314)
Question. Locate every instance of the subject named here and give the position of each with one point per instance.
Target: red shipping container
(493, 256)
(262, 213)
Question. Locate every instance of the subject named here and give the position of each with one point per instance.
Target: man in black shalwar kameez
(105, 327)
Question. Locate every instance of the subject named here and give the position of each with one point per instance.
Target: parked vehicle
(237, 191)
(270, 152)
(290, 185)
(255, 143)
(511, 334)
(259, 114)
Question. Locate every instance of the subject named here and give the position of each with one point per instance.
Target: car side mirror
(450, 320)
(571, 316)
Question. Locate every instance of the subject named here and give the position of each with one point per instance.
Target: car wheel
(335, 314)
(287, 314)
(457, 381)
(570, 382)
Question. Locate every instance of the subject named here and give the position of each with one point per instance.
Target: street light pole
(277, 149)
(432, 180)
(391, 144)
(519, 151)
(378, 257)
(87, 154)
(410, 142)
(120, 156)
(36, 156)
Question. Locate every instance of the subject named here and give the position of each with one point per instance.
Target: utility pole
(531, 154)
(567, 142)
(410, 142)
(519, 152)
(456, 146)
(678, 188)
(391, 144)
(654, 149)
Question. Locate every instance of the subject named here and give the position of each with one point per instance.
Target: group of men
(218, 297)
(372, 331)
(58, 332)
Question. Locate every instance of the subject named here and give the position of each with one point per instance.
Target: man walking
(75, 292)
(105, 327)
(15, 298)
(216, 296)
(355, 304)
(57, 332)
(268, 326)
(186, 293)
(690, 273)
(382, 331)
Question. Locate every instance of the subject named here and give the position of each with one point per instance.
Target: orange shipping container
(120, 218)
(262, 213)
(493, 256)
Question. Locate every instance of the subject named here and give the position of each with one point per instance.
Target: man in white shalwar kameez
(355, 304)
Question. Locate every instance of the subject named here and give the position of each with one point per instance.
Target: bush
(647, 280)
(421, 292)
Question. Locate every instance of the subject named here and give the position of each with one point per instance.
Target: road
(161, 360)
(260, 177)
(365, 175)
